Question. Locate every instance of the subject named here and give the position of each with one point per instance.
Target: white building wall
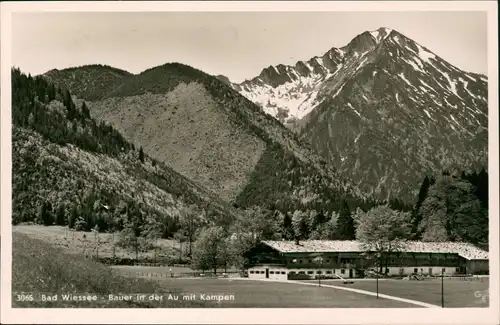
(324, 272)
(424, 270)
(281, 273)
(257, 273)
(275, 273)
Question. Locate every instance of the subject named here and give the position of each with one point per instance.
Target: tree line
(34, 106)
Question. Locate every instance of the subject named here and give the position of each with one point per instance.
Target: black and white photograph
(306, 161)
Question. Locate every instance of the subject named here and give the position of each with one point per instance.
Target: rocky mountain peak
(358, 103)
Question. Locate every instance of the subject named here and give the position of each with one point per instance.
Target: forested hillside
(70, 170)
(216, 137)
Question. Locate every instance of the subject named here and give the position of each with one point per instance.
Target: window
(292, 272)
(300, 261)
(342, 271)
(283, 272)
(272, 272)
(327, 261)
(310, 261)
(415, 270)
(302, 272)
(262, 272)
(328, 272)
(319, 272)
(251, 272)
(310, 272)
(457, 270)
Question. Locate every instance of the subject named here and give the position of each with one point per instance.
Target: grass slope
(40, 268)
(86, 243)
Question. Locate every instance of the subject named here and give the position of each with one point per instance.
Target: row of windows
(342, 271)
(270, 272)
(342, 260)
(415, 270)
(348, 260)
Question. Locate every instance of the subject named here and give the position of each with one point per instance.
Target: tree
(287, 231)
(299, 224)
(210, 249)
(73, 216)
(345, 227)
(141, 155)
(190, 220)
(327, 230)
(452, 208)
(417, 215)
(251, 226)
(382, 231)
(181, 238)
(46, 216)
(85, 111)
(61, 215)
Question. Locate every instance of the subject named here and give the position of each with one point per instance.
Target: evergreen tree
(61, 215)
(416, 214)
(46, 214)
(288, 233)
(73, 216)
(345, 225)
(85, 111)
(299, 224)
(141, 155)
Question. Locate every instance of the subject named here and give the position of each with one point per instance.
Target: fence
(181, 274)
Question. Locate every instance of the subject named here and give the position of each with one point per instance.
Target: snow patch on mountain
(293, 92)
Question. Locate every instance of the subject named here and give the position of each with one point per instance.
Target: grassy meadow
(86, 243)
(41, 268)
(458, 293)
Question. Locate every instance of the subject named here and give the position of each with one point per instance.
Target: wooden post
(442, 288)
(137, 250)
(114, 248)
(320, 267)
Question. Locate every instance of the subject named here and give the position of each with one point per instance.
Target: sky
(235, 44)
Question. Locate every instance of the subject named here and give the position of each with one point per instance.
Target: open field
(458, 293)
(75, 242)
(262, 294)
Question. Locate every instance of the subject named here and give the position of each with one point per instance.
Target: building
(347, 259)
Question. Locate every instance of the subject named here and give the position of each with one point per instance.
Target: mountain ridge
(297, 107)
(229, 143)
(380, 79)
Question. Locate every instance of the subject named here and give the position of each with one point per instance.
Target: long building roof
(465, 250)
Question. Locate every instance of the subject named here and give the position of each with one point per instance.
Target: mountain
(383, 110)
(67, 166)
(209, 133)
(90, 81)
